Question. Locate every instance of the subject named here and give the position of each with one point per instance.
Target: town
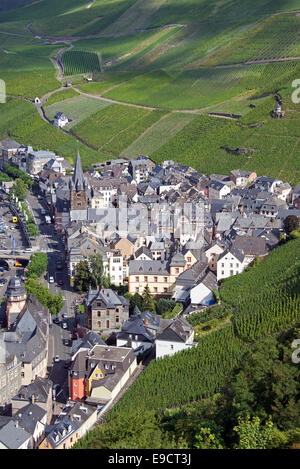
(133, 250)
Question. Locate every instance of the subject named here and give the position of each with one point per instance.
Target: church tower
(15, 300)
(78, 188)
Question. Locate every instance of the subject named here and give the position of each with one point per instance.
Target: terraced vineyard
(275, 38)
(78, 61)
(114, 128)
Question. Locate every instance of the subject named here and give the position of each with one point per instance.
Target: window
(145, 279)
(137, 279)
(177, 270)
(165, 279)
(99, 314)
(155, 279)
(165, 290)
(189, 259)
(107, 324)
(155, 289)
(117, 319)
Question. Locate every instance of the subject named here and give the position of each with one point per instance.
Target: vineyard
(76, 62)
(115, 127)
(195, 373)
(267, 297)
(275, 38)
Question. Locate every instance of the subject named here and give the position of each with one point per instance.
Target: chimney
(32, 398)
(146, 322)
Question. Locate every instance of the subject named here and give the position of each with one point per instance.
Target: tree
(252, 434)
(38, 264)
(19, 189)
(291, 223)
(148, 303)
(82, 278)
(97, 271)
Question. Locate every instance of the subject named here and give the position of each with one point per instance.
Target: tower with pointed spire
(78, 188)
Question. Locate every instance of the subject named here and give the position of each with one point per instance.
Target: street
(51, 243)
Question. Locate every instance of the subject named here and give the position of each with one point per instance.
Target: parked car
(51, 279)
(67, 342)
(3, 281)
(67, 363)
(57, 358)
(56, 320)
(64, 325)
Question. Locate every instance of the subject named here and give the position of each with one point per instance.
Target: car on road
(57, 358)
(67, 342)
(56, 320)
(64, 325)
(51, 279)
(64, 315)
(60, 282)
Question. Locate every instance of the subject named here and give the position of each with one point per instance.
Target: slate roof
(148, 267)
(107, 297)
(178, 331)
(29, 416)
(39, 388)
(13, 436)
(250, 245)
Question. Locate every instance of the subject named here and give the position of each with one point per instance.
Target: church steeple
(78, 188)
(78, 182)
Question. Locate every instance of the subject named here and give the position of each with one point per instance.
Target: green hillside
(242, 368)
(193, 57)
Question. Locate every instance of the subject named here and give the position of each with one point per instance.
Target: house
(203, 292)
(141, 330)
(13, 436)
(158, 275)
(251, 246)
(28, 331)
(36, 160)
(212, 254)
(99, 374)
(178, 336)
(140, 169)
(265, 183)
(8, 148)
(143, 254)
(33, 419)
(10, 372)
(72, 424)
(186, 280)
(39, 392)
(242, 178)
(218, 189)
(231, 262)
(60, 120)
(104, 310)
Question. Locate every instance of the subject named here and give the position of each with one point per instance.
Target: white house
(231, 262)
(218, 189)
(60, 120)
(212, 255)
(202, 293)
(178, 336)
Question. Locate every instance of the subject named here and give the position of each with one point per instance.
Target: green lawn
(76, 108)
